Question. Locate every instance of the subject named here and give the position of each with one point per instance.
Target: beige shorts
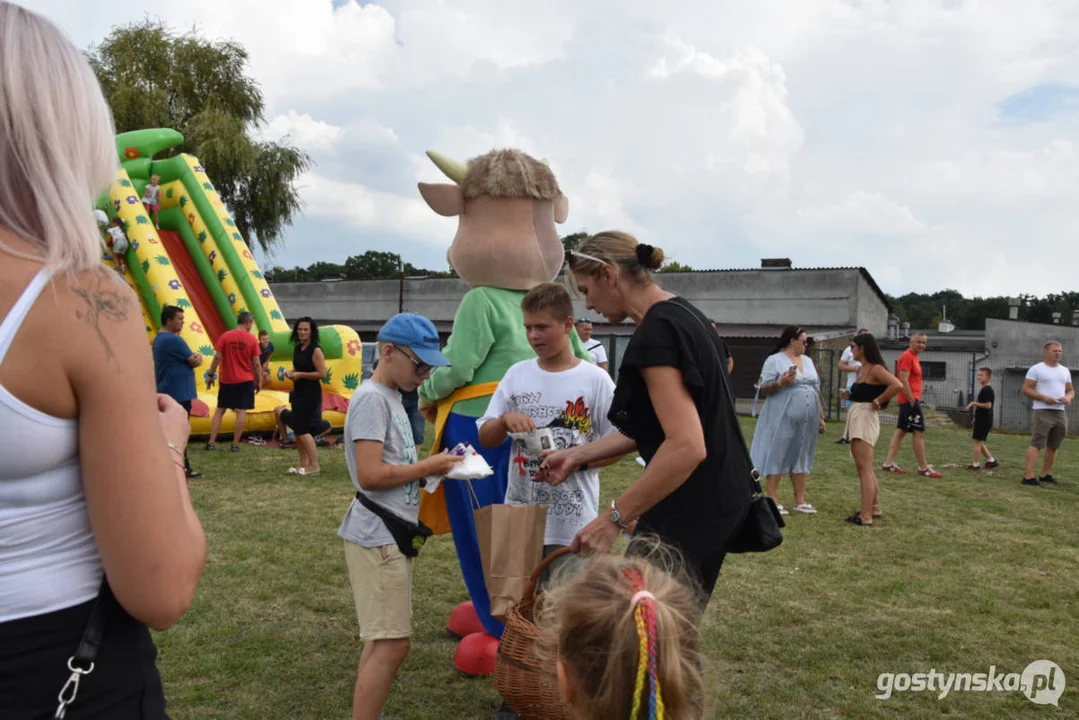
(863, 423)
(1050, 428)
(381, 580)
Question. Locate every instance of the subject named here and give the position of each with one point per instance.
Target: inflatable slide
(198, 260)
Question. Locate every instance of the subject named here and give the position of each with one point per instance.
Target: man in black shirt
(983, 420)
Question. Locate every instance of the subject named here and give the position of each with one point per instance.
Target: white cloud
(362, 208)
(831, 131)
(302, 131)
(372, 132)
(683, 57)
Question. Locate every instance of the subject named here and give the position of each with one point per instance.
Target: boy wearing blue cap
(381, 529)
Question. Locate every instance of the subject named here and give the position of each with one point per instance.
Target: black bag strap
(404, 532)
(82, 662)
(754, 474)
(380, 511)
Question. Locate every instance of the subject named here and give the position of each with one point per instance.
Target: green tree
(571, 241)
(152, 77)
(673, 266)
(373, 264)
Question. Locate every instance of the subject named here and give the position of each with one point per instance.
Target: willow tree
(152, 77)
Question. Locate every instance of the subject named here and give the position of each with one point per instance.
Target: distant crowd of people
(785, 437)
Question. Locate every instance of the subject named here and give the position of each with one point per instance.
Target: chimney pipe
(893, 327)
(1056, 318)
(1075, 318)
(906, 331)
(1013, 308)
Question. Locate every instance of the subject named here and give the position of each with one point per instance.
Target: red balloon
(464, 620)
(476, 654)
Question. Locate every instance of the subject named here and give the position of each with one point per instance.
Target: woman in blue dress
(792, 416)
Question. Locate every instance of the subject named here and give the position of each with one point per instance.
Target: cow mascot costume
(508, 204)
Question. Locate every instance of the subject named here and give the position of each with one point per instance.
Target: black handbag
(759, 532)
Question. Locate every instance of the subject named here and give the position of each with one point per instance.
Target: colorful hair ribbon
(643, 607)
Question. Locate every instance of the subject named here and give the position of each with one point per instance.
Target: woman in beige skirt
(871, 391)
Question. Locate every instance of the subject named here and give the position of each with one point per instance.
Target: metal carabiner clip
(71, 687)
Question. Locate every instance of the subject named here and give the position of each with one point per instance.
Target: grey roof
(957, 340)
(865, 273)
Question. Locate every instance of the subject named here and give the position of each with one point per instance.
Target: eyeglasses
(422, 368)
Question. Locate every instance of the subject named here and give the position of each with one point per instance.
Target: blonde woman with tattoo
(98, 538)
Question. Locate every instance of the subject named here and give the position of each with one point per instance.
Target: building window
(934, 370)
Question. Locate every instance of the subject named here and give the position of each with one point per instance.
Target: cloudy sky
(934, 142)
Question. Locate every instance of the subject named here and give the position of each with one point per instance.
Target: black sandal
(856, 519)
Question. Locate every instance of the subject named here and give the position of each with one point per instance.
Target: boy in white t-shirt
(558, 392)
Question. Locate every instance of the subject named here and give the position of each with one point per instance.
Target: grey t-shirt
(375, 412)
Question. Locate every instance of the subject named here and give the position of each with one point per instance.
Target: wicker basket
(526, 683)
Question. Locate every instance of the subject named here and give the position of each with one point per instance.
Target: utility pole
(400, 285)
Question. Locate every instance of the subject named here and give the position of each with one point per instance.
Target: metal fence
(948, 380)
(1012, 408)
(748, 361)
(949, 383)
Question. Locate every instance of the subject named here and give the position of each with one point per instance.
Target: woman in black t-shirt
(670, 404)
(305, 415)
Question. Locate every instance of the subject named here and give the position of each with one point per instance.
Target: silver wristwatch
(616, 517)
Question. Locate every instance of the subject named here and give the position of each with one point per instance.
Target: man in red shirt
(237, 353)
(911, 420)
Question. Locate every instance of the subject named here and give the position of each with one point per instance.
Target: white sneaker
(806, 508)
(782, 510)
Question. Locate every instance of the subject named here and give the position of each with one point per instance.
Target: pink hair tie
(640, 595)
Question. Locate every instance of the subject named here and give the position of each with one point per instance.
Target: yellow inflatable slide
(197, 260)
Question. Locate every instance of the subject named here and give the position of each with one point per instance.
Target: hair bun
(649, 257)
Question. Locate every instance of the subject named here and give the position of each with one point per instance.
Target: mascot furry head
(508, 204)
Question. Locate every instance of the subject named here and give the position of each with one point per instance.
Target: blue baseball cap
(584, 319)
(416, 332)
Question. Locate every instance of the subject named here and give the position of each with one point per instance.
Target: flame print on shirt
(575, 416)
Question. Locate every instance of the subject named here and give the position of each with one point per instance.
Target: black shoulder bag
(760, 530)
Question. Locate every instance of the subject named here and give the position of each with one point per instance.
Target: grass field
(962, 573)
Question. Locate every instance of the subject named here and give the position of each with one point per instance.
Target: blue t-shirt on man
(174, 376)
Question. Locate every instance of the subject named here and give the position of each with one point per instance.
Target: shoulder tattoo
(102, 304)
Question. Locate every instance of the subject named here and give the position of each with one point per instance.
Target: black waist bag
(409, 537)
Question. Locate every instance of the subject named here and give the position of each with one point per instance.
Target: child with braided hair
(624, 632)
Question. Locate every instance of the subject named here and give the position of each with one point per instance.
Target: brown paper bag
(511, 546)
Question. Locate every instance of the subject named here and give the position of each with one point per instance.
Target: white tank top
(48, 558)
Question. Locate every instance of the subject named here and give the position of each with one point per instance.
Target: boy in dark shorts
(983, 421)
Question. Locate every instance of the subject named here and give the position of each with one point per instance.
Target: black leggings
(124, 684)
